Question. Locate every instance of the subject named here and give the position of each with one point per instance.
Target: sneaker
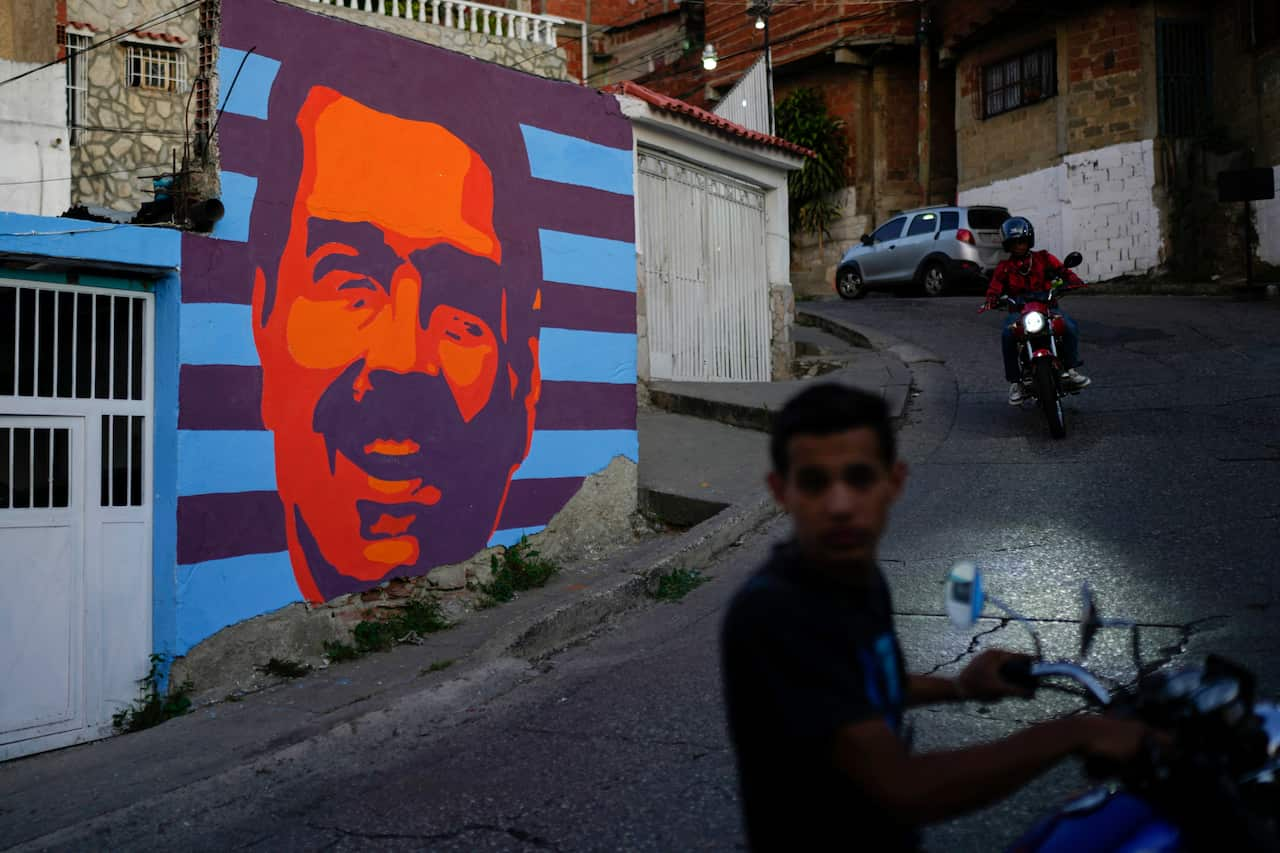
(1016, 394)
(1075, 379)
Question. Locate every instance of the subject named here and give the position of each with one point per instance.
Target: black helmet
(1018, 228)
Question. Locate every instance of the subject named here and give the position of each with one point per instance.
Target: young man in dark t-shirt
(814, 676)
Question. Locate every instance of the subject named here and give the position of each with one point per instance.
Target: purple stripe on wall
(216, 397)
(216, 270)
(582, 210)
(532, 503)
(586, 405)
(212, 527)
(571, 306)
(220, 397)
(242, 142)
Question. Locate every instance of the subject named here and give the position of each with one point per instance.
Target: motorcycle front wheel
(1047, 393)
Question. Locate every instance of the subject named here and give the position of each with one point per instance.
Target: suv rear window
(987, 218)
(950, 220)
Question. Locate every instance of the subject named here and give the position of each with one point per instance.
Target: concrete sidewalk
(703, 466)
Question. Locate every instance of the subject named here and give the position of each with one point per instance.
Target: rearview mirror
(964, 595)
(1074, 259)
(866, 240)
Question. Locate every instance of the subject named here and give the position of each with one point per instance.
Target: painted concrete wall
(1267, 223)
(1099, 203)
(412, 336)
(35, 157)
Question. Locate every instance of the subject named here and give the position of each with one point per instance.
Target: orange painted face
(382, 347)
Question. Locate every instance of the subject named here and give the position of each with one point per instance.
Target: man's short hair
(828, 409)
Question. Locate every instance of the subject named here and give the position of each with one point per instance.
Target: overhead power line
(159, 19)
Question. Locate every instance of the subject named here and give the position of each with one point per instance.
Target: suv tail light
(964, 235)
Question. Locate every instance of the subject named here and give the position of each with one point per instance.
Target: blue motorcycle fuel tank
(1104, 821)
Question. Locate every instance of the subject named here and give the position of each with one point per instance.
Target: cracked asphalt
(1165, 496)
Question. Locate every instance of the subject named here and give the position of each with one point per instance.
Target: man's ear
(778, 487)
(898, 478)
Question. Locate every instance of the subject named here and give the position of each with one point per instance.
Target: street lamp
(762, 9)
(709, 57)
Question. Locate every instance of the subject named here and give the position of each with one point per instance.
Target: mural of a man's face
(399, 406)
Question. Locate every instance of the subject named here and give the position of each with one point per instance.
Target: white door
(702, 238)
(42, 495)
(76, 373)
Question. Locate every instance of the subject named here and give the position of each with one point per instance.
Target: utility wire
(159, 19)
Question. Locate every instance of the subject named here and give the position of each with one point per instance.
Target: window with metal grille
(156, 68)
(1183, 76)
(71, 345)
(35, 468)
(1019, 80)
(77, 81)
(122, 457)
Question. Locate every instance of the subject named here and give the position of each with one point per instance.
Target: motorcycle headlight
(1033, 323)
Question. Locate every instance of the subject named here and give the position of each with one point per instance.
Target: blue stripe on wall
(238, 192)
(570, 160)
(218, 593)
(572, 355)
(576, 452)
(507, 538)
(214, 462)
(217, 333)
(588, 261)
(252, 88)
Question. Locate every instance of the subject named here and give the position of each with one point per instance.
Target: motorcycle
(1039, 332)
(1215, 786)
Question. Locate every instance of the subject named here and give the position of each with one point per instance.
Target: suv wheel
(849, 283)
(934, 279)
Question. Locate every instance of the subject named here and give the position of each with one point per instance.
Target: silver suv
(930, 248)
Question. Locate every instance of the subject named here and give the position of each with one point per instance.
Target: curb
(553, 630)
(731, 414)
(831, 327)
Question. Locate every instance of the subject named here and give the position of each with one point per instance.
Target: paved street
(1165, 495)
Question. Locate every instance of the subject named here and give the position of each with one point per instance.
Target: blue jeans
(1069, 352)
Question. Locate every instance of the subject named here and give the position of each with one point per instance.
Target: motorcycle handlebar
(1026, 673)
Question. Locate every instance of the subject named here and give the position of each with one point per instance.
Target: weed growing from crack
(520, 568)
(152, 709)
(678, 583)
(435, 667)
(284, 668)
(420, 616)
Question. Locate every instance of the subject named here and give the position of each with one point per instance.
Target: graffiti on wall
(413, 334)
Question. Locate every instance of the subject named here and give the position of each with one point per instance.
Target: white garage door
(703, 265)
(75, 509)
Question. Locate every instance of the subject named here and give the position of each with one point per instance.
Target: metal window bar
(1183, 74)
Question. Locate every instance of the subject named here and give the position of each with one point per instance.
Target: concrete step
(691, 469)
(751, 405)
(813, 341)
(831, 327)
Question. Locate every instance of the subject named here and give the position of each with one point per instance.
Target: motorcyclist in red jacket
(1025, 271)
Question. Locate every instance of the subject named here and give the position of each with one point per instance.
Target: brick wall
(1104, 73)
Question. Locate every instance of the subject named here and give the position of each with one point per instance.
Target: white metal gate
(703, 261)
(76, 372)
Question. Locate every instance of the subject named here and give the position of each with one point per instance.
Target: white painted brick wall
(1101, 204)
(1268, 221)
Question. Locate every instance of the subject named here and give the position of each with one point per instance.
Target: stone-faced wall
(532, 58)
(130, 131)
